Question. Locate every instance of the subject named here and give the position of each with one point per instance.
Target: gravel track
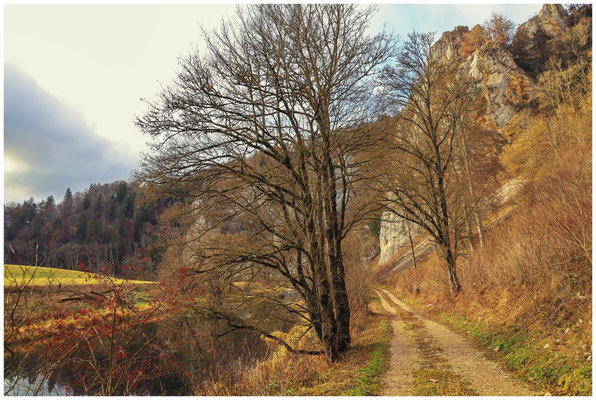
(486, 376)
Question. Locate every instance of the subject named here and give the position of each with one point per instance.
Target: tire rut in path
(399, 378)
(486, 376)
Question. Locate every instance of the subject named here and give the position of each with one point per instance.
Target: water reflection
(173, 357)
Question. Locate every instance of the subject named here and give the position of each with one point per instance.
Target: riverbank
(359, 372)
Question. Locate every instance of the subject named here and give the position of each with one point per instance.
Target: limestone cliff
(507, 75)
(505, 85)
(536, 40)
(393, 235)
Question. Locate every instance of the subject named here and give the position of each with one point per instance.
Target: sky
(74, 77)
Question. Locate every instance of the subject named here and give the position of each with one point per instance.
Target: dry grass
(284, 373)
(535, 269)
(533, 277)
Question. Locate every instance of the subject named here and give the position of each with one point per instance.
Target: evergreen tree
(67, 204)
(129, 205)
(99, 206)
(112, 211)
(81, 232)
(83, 223)
(122, 192)
(94, 231)
(50, 203)
(86, 202)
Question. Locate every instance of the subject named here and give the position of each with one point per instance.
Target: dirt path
(399, 377)
(485, 376)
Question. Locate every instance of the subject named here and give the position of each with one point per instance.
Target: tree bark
(454, 285)
(469, 228)
(411, 245)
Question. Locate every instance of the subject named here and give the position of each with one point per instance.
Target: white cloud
(99, 60)
(47, 147)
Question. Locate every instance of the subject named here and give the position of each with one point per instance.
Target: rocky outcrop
(506, 87)
(507, 75)
(534, 41)
(450, 43)
(546, 35)
(393, 235)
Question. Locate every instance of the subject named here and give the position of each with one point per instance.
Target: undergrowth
(358, 372)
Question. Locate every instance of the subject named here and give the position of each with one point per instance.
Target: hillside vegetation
(527, 291)
(108, 226)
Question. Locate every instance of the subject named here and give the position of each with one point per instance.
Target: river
(173, 356)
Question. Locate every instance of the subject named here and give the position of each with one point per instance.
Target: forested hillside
(105, 227)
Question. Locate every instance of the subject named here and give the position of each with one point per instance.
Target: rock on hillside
(506, 87)
(507, 77)
(393, 235)
(537, 38)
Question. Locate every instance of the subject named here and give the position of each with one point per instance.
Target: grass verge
(521, 353)
(370, 383)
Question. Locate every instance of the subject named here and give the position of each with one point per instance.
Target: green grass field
(43, 276)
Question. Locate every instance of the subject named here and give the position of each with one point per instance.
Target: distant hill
(106, 226)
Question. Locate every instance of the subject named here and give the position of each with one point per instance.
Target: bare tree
(263, 133)
(499, 29)
(412, 248)
(431, 97)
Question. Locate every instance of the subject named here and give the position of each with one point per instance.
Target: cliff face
(507, 76)
(505, 85)
(393, 235)
(537, 39)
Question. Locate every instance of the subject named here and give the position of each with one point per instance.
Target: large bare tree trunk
(454, 286)
(334, 254)
(413, 251)
(328, 322)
